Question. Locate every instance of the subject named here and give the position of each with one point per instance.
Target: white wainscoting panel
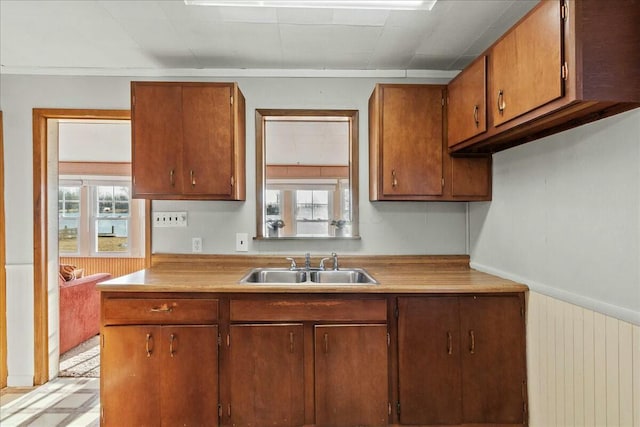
(583, 366)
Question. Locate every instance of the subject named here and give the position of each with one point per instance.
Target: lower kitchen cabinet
(266, 375)
(461, 360)
(159, 375)
(351, 376)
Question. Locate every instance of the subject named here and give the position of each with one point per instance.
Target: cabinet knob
(472, 344)
(172, 339)
(476, 118)
(192, 175)
(394, 176)
(171, 180)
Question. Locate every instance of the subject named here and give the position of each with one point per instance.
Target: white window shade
(325, 4)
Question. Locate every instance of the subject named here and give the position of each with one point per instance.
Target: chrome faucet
(293, 265)
(335, 260)
(307, 261)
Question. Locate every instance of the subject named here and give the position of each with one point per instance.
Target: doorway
(46, 260)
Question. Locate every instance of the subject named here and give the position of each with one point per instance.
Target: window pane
(68, 218)
(112, 235)
(68, 235)
(113, 201)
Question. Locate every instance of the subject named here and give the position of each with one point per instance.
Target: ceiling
(155, 37)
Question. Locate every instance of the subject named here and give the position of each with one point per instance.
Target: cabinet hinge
(231, 99)
(233, 181)
(389, 408)
(442, 182)
(219, 340)
(388, 339)
(219, 410)
(398, 408)
(396, 312)
(564, 11)
(228, 340)
(443, 101)
(229, 410)
(564, 71)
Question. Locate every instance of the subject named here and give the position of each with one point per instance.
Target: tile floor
(61, 402)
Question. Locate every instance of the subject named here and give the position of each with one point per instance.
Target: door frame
(40, 225)
(3, 278)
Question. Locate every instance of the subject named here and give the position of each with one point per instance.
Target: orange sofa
(79, 309)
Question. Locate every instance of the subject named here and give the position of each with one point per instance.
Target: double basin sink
(348, 276)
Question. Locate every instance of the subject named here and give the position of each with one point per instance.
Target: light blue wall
(565, 216)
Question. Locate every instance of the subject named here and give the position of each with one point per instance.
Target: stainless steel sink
(348, 276)
(274, 275)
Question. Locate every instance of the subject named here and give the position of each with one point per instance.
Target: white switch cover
(196, 244)
(169, 219)
(242, 242)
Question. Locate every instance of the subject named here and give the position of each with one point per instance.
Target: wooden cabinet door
(156, 120)
(188, 376)
(429, 376)
(351, 381)
(471, 177)
(130, 365)
(493, 359)
(208, 139)
(467, 106)
(266, 371)
(525, 70)
(411, 134)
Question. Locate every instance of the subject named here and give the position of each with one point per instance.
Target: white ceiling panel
(167, 34)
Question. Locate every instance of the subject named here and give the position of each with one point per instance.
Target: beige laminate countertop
(422, 274)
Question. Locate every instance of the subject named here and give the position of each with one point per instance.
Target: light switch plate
(196, 245)
(169, 219)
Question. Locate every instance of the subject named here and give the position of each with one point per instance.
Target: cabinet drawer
(127, 311)
(309, 310)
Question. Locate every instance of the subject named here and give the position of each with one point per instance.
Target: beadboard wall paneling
(583, 366)
(116, 266)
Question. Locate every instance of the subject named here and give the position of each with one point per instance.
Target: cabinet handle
(394, 181)
(149, 345)
(501, 103)
(291, 340)
(192, 175)
(326, 343)
(449, 343)
(476, 119)
(472, 345)
(172, 338)
(171, 180)
(162, 309)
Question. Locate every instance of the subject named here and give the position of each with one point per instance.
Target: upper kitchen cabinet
(188, 141)
(564, 64)
(467, 105)
(407, 153)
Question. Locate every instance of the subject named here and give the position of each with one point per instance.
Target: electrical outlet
(242, 242)
(169, 219)
(196, 244)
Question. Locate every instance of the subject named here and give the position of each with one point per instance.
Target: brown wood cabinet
(467, 103)
(461, 360)
(152, 373)
(266, 375)
(351, 375)
(407, 154)
(564, 64)
(177, 358)
(188, 140)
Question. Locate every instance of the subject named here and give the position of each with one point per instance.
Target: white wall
(411, 228)
(565, 217)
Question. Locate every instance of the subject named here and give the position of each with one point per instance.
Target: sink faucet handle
(335, 260)
(293, 265)
(322, 263)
